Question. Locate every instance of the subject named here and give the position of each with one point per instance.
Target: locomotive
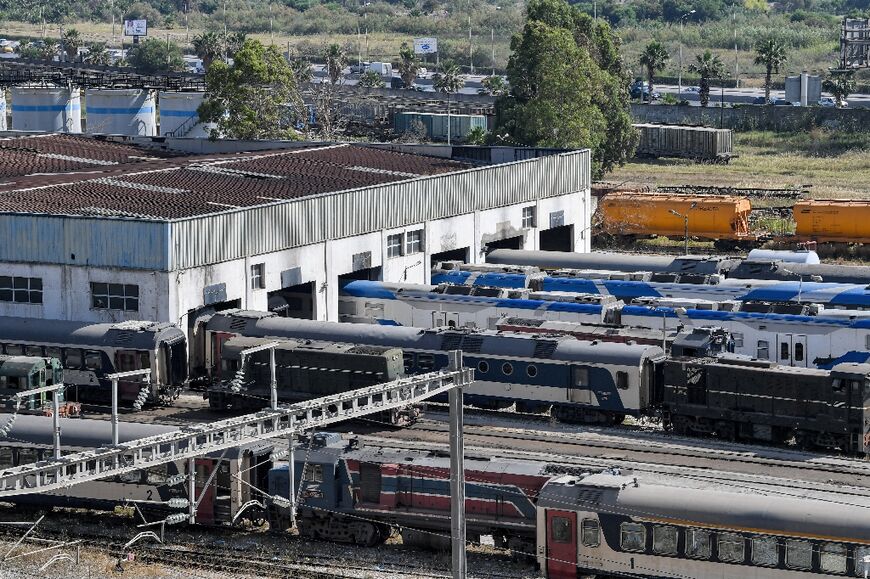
(606, 523)
(89, 352)
(21, 373)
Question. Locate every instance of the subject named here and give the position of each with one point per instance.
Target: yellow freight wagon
(833, 220)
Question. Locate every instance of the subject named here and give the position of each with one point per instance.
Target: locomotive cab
(849, 404)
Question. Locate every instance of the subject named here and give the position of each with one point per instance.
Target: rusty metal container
(650, 214)
(835, 220)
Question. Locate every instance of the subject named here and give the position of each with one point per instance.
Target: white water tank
(806, 257)
(121, 112)
(3, 125)
(54, 110)
(178, 117)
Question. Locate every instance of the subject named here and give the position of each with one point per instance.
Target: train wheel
(680, 424)
(617, 419)
(803, 439)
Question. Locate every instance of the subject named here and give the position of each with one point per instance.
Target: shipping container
(699, 143)
(435, 124)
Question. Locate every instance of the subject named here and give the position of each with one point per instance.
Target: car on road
(784, 103)
(693, 89)
(640, 90)
(831, 102)
(760, 100)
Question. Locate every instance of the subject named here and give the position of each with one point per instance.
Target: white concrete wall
(169, 296)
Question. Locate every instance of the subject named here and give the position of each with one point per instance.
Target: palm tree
(708, 66)
(235, 40)
(71, 41)
(98, 54)
(771, 54)
(336, 60)
(448, 81)
(207, 46)
(409, 65)
(493, 86)
(371, 79)
(840, 84)
(301, 71)
(653, 58)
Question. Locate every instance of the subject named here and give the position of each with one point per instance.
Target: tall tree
(569, 87)
(208, 46)
(409, 65)
(449, 81)
(71, 41)
(708, 66)
(336, 60)
(493, 86)
(653, 59)
(771, 54)
(371, 79)
(98, 54)
(235, 41)
(155, 56)
(301, 71)
(840, 83)
(252, 99)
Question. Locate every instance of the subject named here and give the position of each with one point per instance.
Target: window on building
(21, 290)
(529, 219)
(763, 350)
(115, 296)
(632, 536)
(833, 558)
(561, 530)
(414, 242)
(258, 276)
(860, 566)
(765, 551)
(665, 540)
(697, 544)
(394, 245)
(731, 547)
(798, 554)
(590, 534)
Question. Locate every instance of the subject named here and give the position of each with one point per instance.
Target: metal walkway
(198, 440)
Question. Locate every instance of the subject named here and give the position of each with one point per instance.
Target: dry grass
(834, 165)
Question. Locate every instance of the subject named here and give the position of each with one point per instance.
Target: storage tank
(806, 257)
(55, 110)
(178, 117)
(121, 112)
(648, 214)
(839, 220)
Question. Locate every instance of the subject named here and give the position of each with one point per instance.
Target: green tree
(476, 136)
(336, 60)
(493, 86)
(653, 59)
(708, 66)
(371, 79)
(840, 83)
(71, 41)
(155, 57)
(235, 41)
(409, 65)
(771, 54)
(568, 85)
(208, 46)
(449, 81)
(301, 71)
(255, 98)
(98, 54)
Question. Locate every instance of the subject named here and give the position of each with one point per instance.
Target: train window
(697, 544)
(507, 369)
(738, 339)
(408, 359)
(27, 455)
(838, 385)
(867, 341)
(731, 547)
(762, 352)
(833, 558)
(765, 551)
(313, 473)
(6, 458)
(14, 349)
(581, 377)
(784, 350)
(426, 362)
(531, 370)
(560, 528)
(798, 554)
(53, 352)
(622, 380)
(590, 533)
(632, 537)
(72, 358)
(665, 540)
(483, 366)
(798, 352)
(861, 553)
(33, 351)
(93, 360)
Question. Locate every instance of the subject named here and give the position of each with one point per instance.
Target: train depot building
(100, 230)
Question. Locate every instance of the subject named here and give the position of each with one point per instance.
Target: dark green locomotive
(21, 373)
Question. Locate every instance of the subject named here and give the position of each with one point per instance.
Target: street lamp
(800, 276)
(685, 219)
(680, 74)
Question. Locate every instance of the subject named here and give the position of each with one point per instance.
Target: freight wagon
(833, 220)
(698, 143)
(711, 217)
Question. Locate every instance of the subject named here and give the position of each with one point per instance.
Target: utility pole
(470, 48)
(226, 55)
(680, 74)
(492, 43)
(457, 474)
(736, 61)
(111, 9)
(271, 27)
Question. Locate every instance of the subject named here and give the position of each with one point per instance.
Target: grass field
(832, 164)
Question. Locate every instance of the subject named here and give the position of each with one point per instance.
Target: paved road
(748, 95)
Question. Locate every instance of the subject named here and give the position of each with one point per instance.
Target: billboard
(425, 45)
(135, 28)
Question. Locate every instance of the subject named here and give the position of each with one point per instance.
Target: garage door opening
(508, 243)
(368, 273)
(296, 301)
(557, 239)
(460, 254)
